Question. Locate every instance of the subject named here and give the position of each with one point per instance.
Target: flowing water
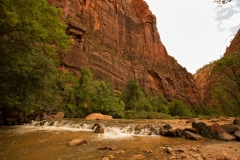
(49, 140)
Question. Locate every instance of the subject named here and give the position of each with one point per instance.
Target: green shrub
(177, 108)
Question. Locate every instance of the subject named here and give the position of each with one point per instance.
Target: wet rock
(236, 122)
(137, 156)
(237, 135)
(76, 142)
(111, 156)
(163, 130)
(167, 126)
(98, 128)
(168, 149)
(193, 130)
(148, 151)
(229, 128)
(112, 147)
(174, 133)
(105, 158)
(120, 151)
(199, 125)
(226, 137)
(216, 129)
(98, 116)
(193, 136)
(138, 129)
(42, 122)
(59, 115)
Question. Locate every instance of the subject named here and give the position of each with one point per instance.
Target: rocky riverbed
(122, 139)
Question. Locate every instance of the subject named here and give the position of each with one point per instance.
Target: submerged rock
(98, 128)
(137, 129)
(112, 147)
(76, 142)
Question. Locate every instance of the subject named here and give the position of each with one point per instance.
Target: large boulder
(229, 128)
(216, 129)
(193, 136)
(201, 127)
(237, 135)
(226, 137)
(98, 116)
(76, 142)
(174, 133)
(163, 130)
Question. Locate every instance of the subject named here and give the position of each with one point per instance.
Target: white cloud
(195, 32)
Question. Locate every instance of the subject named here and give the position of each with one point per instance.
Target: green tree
(159, 103)
(134, 97)
(31, 32)
(85, 92)
(227, 89)
(89, 96)
(177, 108)
(106, 100)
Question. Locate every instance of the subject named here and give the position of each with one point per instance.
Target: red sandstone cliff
(234, 46)
(205, 78)
(119, 41)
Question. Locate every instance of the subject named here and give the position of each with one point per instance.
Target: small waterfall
(112, 129)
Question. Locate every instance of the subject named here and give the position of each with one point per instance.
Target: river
(50, 141)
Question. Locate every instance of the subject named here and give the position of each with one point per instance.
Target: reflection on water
(50, 142)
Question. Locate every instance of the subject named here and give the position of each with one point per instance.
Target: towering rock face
(234, 46)
(119, 41)
(205, 78)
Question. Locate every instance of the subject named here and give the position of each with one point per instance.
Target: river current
(47, 141)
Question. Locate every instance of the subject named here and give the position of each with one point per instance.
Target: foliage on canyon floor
(31, 32)
(227, 89)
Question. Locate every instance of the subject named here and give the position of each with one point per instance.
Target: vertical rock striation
(119, 41)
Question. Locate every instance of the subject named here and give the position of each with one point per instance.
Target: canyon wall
(205, 78)
(119, 41)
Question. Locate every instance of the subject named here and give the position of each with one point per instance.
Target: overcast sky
(195, 32)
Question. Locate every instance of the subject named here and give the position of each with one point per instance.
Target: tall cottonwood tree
(227, 90)
(31, 32)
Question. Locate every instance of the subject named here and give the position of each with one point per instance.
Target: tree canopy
(31, 32)
(227, 89)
